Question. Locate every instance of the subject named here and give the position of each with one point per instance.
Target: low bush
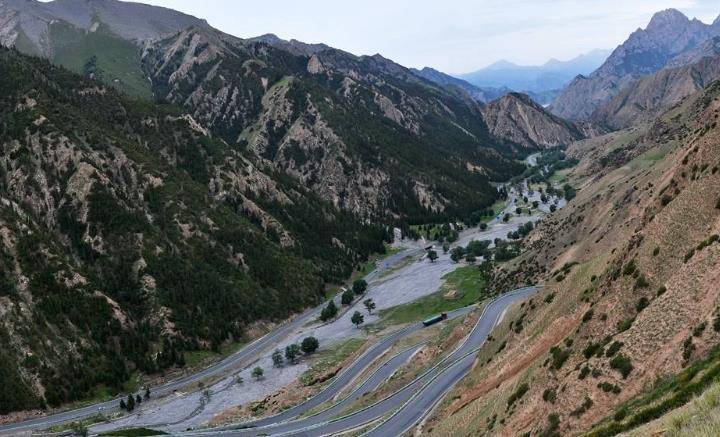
(518, 393)
(622, 364)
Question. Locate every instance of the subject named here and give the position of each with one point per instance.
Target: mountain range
(167, 188)
(551, 76)
(233, 183)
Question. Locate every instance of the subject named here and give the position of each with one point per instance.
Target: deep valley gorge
(201, 233)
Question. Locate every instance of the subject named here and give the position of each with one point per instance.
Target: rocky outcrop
(518, 119)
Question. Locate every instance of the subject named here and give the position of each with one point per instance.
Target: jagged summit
(668, 17)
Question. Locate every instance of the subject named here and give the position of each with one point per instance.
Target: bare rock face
(668, 36)
(518, 119)
(651, 95)
(314, 65)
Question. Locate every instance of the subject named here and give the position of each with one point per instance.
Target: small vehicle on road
(435, 319)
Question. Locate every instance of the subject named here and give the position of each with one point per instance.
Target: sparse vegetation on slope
(633, 308)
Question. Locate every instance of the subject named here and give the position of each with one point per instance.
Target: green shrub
(625, 324)
(559, 356)
(688, 348)
(549, 395)
(609, 388)
(552, 427)
(584, 371)
(622, 364)
(642, 304)
(699, 329)
(629, 268)
(641, 282)
(582, 409)
(614, 348)
(518, 393)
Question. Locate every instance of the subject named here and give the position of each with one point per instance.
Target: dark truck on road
(434, 320)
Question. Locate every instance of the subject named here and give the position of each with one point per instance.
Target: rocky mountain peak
(667, 18)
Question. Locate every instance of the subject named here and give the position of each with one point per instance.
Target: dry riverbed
(396, 284)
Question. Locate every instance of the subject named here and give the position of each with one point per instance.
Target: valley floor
(402, 278)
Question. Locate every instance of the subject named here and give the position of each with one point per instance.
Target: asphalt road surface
(270, 424)
(407, 405)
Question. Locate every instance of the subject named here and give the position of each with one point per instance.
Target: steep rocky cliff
(363, 132)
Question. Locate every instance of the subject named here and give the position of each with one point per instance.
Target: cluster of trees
(133, 401)
(474, 250)
(522, 231)
(550, 162)
(358, 289)
(506, 250)
(307, 346)
(503, 250)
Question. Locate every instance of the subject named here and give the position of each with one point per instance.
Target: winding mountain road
(408, 405)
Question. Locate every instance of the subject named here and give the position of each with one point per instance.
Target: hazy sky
(455, 36)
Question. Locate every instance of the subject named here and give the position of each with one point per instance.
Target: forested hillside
(130, 234)
(363, 132)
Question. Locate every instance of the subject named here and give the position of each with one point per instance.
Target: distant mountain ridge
(482, 94)
(552, 75)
